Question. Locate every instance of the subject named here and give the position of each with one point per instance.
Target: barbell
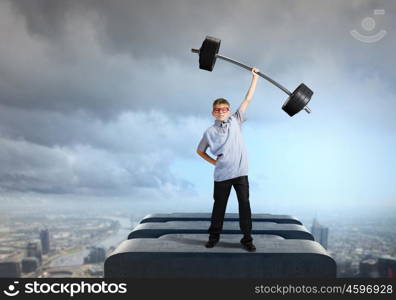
(298, 100)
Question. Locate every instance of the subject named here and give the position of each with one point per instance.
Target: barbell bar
(297, 100)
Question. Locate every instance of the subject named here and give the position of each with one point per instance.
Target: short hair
(220, 101)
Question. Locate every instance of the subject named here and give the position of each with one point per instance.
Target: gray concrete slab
(155, 230)
(185, 256)
(286, 219)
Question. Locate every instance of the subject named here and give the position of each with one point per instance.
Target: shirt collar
(221, 123)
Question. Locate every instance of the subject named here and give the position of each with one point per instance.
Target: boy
(224, 139)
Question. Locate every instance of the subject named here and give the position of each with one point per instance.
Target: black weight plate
(207, 53)
(297, 100)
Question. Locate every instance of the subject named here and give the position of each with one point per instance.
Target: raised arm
(250, 92)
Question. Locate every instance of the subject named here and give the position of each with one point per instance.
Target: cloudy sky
(103, 102)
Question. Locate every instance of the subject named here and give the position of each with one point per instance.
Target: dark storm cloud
(53, 153)
(150, 29)
(79, 170)
(131, 133)
(109, 56)
(140, 28)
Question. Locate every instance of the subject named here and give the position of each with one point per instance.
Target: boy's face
(221, 112)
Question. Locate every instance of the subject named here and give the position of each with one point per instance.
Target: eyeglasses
(221, 109)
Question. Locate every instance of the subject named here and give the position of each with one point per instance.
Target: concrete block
(185, 256)
(155, 230)
(283, 219)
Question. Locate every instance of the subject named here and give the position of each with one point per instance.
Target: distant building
(34, 249)
(10, 269)
(96, 270)
(320, 233)
(29, 264)
(345, 269)
(387, 267)
(45, 240)
(368, 268)
(95, 255)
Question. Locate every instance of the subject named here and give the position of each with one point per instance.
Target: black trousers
(221, 193)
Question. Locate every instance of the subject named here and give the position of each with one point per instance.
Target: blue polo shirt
(224, 139)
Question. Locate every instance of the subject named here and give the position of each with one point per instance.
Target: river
(77, 258)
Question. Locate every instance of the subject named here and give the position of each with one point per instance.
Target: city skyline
(350, 241)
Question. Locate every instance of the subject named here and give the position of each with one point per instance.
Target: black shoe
(210, 243)
(249, 247)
